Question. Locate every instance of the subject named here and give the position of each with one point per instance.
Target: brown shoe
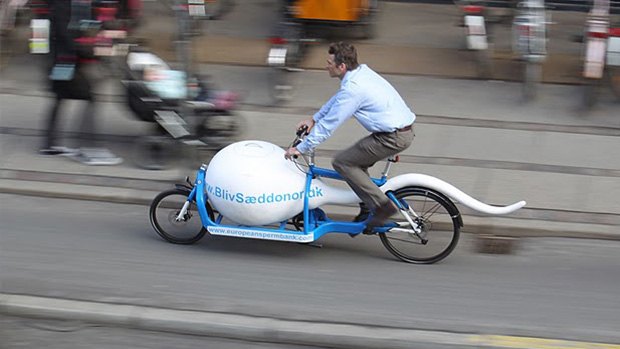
(383, 213)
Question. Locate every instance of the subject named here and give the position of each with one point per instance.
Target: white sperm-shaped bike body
(251, 183)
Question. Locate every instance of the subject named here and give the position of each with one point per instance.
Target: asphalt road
(557, 288)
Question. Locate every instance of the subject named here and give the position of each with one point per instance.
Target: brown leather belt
(406, 128)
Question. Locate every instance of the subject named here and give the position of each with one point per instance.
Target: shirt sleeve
(324, 109)
(339, 108)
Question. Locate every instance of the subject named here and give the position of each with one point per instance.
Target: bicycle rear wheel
(439, 222)
(164, 210)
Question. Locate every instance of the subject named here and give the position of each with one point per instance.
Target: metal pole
(183, 45)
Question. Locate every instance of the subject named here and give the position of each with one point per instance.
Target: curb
(250, 328)
(265, 329)
(78, 192)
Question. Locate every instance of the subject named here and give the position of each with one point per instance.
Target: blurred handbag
(62, 72)
(69, 82)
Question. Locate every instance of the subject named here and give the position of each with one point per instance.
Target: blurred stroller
(184, 109)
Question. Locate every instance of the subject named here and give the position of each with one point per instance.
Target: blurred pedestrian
(8, 14)
(378, 107)
(70, 51)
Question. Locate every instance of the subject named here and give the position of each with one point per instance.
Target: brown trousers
(353, 163)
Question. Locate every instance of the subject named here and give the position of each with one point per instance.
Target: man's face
(335, 70)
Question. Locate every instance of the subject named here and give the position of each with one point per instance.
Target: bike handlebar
(300, 133)
(303, 130)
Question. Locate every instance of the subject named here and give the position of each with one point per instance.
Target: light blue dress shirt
(366, 96)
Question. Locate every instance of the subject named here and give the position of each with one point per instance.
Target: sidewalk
(498, 150)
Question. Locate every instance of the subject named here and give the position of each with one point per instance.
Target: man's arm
(341, 107)
(324, 109)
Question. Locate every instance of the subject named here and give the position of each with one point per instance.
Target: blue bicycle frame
(316, 222)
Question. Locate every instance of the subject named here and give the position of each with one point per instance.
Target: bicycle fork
(183, 212)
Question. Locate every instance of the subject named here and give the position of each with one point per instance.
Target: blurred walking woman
(70, 50)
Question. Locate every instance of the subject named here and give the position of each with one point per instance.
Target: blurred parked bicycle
(475, 23)
(613, 59)
(601, 55)
(284, 58)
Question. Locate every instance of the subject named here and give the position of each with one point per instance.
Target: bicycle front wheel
(440, 227)
(163, 214)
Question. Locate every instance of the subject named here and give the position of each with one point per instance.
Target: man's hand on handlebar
(291, 152)
(303, 128)
(308, 124)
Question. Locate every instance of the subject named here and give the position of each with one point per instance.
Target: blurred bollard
(40, 40)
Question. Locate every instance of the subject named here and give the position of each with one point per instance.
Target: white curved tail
(415, 179)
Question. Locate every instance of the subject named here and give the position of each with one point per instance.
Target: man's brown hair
(345, 53)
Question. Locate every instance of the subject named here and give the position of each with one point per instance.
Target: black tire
(441, 225)
(165, 208)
